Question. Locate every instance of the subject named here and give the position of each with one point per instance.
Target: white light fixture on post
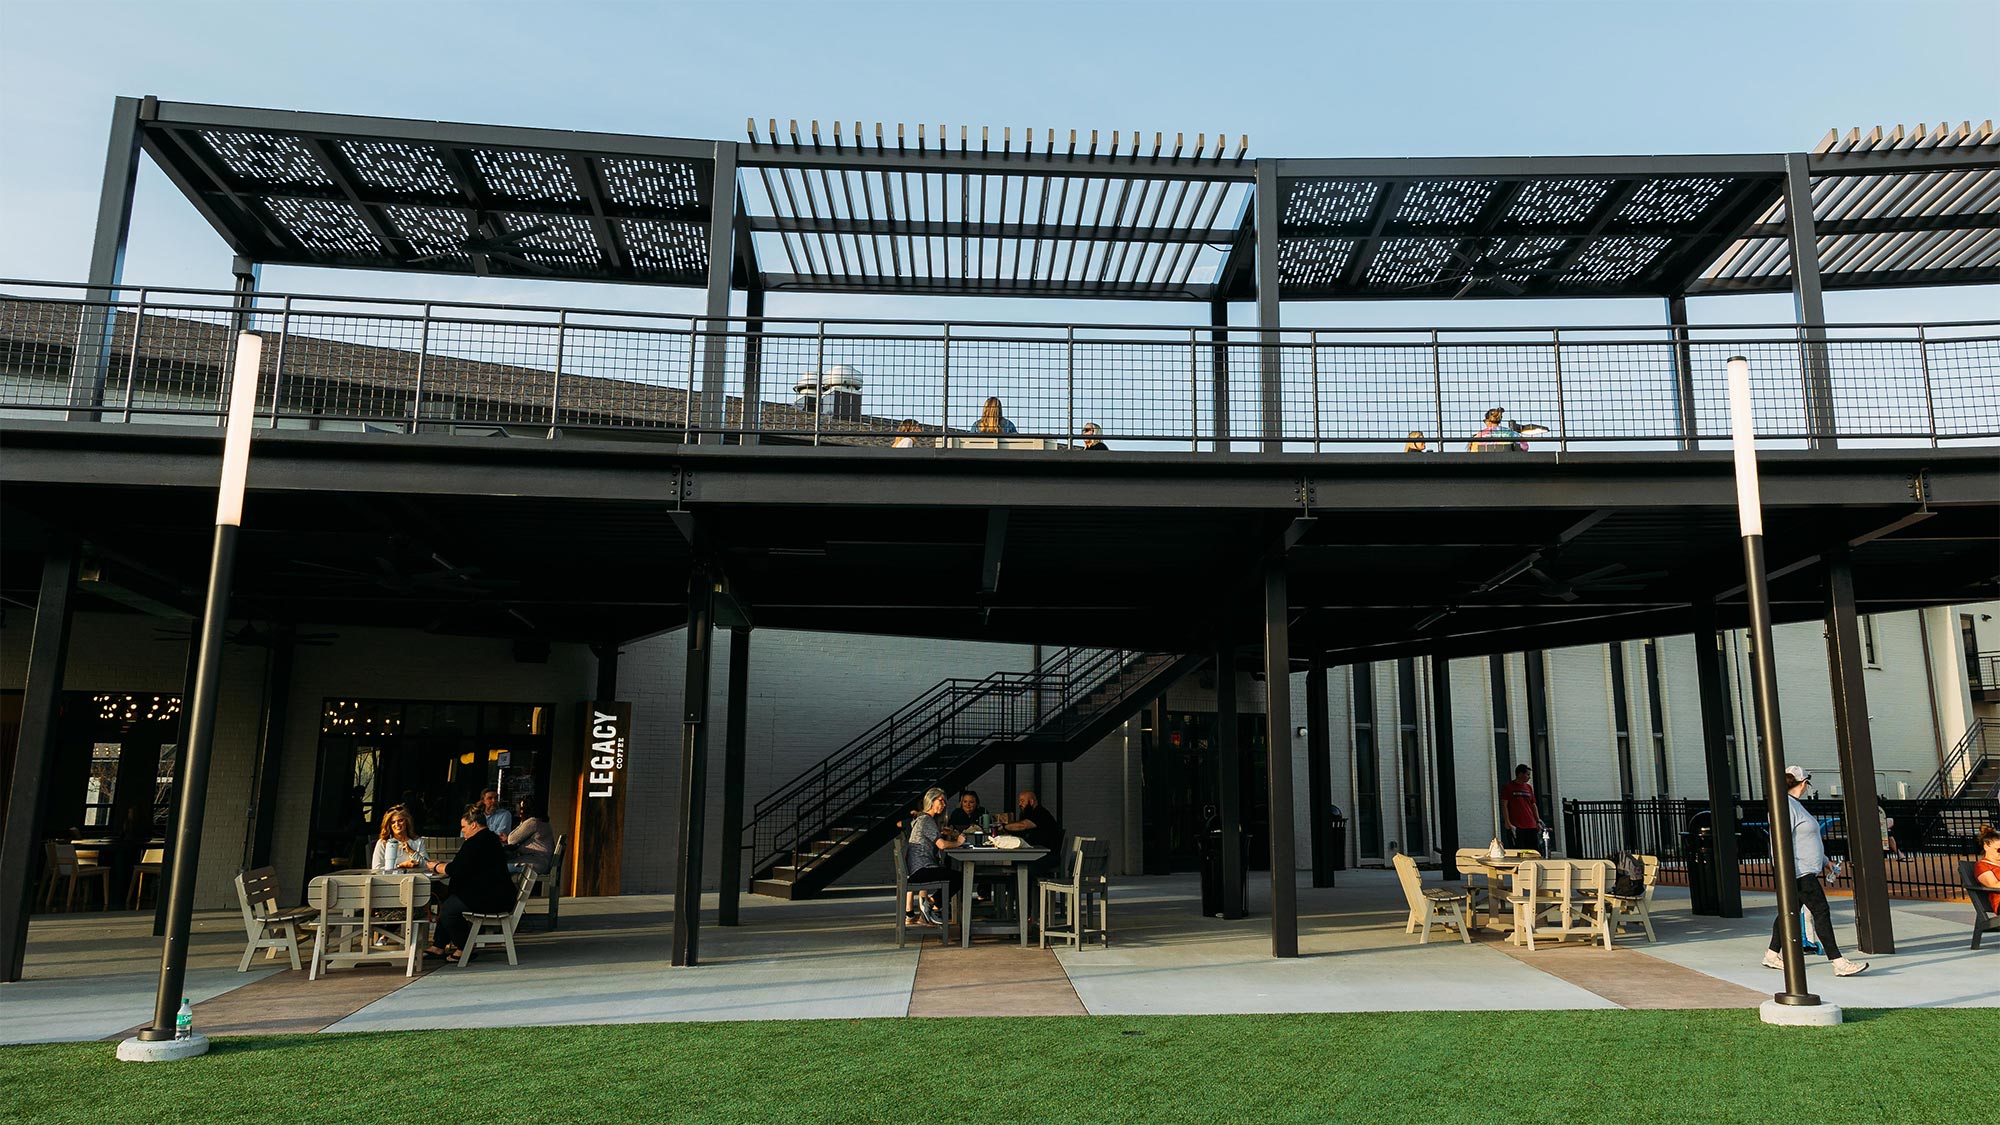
(159, 1041)
(1794, 1005)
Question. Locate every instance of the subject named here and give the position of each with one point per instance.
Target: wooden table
(968, 859)
(348, 927)
(1497, 871)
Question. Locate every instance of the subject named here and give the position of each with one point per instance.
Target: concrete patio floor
(91, 975)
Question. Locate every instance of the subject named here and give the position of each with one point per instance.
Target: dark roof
(1142, 216)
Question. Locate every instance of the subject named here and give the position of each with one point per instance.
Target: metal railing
(1934, 834)
(382, 364)
(1979, 745)
(937, 732)
(1986, 666)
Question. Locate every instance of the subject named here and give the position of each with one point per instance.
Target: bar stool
(149, 865)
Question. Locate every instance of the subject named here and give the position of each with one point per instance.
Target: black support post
(34, 754)
(607, 670)
(184, 733)
(1686, 423)
(1715, 754)
(1270, 369)
(91, 363)
(1229, 783)
(270, 747)
(1278, 764)
(1873, 929)
(1809, 302)
(735, 740)
(1446, 767)
(694, 766)
(714, 386)
(753, 358)
(1218, 321)
(1319, 778)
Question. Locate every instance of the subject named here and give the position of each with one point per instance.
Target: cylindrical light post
(193, 786)
(1750, 518)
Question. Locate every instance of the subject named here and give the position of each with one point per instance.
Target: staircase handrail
(1974, 748)
(922, 728)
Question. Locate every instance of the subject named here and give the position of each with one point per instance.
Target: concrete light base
(136, 1049)
(1799, 1015)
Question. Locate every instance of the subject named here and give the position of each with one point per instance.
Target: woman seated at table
(532, 843)
(969, 813)
(479, 881)
(924, 849)
(398, 848)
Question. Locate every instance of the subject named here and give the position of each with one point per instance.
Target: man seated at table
(498, 818)
(1037, 828)
(924, 856)
(480, 884)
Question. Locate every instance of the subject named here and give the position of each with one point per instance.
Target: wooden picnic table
(357, 909)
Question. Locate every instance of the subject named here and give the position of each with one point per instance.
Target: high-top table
(968, 859)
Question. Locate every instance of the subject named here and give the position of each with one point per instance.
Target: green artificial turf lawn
(1626, 1066)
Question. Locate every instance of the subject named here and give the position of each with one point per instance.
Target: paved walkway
(91, 975)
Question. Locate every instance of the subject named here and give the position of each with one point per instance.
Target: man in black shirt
(1035, 825)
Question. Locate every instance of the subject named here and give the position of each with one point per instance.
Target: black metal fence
(1931, 838)
(164, 355)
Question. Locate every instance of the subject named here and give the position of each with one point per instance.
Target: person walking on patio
(1810, 864)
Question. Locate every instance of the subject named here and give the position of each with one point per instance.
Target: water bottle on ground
(184, 1020)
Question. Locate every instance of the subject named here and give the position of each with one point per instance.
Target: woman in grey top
(924, 855)
(532, 843)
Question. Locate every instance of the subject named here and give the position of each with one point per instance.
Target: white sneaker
(1842, 967)
(1772, 960)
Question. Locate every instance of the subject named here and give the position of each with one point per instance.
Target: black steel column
(1446, 768)
(1218, 320)
(735, 739)
(1809, 302)
(1229, 783)
(694, 765)
(1715, 756)
(270, 747)
(1686, 423)
(1777, 804)
(1874, 930)
(1270, 370)
(1159, 795)
(721, 259)
(191, 787)
(34, 753)
(753, 357)
(91, 363)
(1319, 777)
(1278, 762)
(184, 734)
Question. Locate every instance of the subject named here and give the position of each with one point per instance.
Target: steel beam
(1218, 320)
(1874, 928)
(1278, 761)
(694, 766)
(90, 363)
(735, 741)
(1445, 768)
(1810, 303)
(1319, 778)
(753, 359)
(35, 753)
(1710, 683)
(1270, 367)
(270, 747)
(1229, 783)
(723, 207)
(1685, 422)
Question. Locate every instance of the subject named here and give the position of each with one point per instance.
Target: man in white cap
(1809, 863)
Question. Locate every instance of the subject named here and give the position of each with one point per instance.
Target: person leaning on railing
(1496, 436)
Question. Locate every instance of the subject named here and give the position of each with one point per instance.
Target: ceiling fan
(507, 246)
(1491, 268)
(1604, 579)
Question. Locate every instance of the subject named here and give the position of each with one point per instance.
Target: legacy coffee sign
(600, 800)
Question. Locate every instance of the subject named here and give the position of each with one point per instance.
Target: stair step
(773, 888)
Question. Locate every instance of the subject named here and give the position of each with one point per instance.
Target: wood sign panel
(600, 799)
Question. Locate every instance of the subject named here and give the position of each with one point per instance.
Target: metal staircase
(820, 824)
(1972, 770)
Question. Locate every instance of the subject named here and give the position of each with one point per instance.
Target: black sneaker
(930, 912)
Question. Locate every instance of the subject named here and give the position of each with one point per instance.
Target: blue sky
(1326, 79)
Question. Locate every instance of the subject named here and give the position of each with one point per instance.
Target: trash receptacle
(1339, 842)
(1700, 852)
(1211, 873)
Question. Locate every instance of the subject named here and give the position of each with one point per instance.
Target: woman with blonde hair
(904, 429)
(399, 848)
(992, 421)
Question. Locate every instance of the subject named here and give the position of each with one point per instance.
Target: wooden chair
(1433, 905)
(352, 908)
(1984, 921)
(1569, 891)
(1616, 907)
(269, 925)
(1088, 879)
(151, 862)
(503, 925)
(904, 887)
(549, 883)
(66, 864)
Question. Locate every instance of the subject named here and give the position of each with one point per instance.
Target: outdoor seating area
(1530, 898)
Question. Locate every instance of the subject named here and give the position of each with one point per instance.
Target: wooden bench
(352, 908)
(270, 925)
(503, 925)
(1617, 907)
(1567, 893)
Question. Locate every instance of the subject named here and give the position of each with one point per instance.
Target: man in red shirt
(1518, 812)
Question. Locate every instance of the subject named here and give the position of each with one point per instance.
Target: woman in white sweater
(399, 849)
